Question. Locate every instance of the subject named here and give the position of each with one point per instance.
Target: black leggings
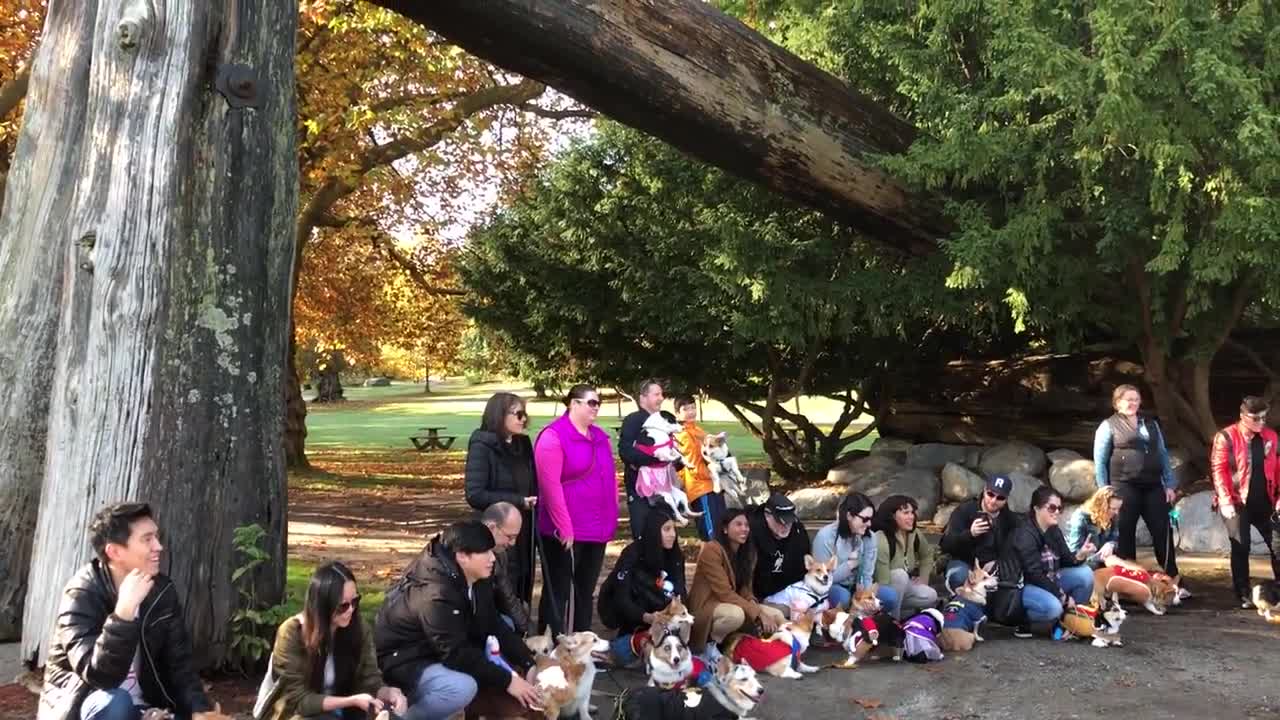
(1242, 541)
(1145, 501)
(558, 569)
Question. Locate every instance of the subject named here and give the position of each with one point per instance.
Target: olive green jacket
(291, 699)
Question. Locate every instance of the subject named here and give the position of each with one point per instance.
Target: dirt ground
(1204, 660)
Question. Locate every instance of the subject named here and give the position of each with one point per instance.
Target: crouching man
(121, 644)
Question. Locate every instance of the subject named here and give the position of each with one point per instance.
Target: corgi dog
(1266, 598)
(811, 593)
(733, 692)
(1155, 591)
(675, 619)
(782, 653)
(858, 630)
(726, 476)
(565, 678)
(541, 646)
(1100, 623)
(670, 663)
(660, 481)
(964, 615)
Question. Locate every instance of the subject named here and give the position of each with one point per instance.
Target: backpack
(1005, 604)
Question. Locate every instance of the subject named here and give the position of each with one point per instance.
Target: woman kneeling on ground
(720, 598)
(1095, 521)
(649, 574)
(323, 662)
(1054, 578)
(849, 539)
(904, 558)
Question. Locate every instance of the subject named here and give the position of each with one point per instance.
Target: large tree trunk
(295, 409)
(150, 221)
(327, 377)
(709, 85)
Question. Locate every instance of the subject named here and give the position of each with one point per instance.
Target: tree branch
(417, 98)
(578, 113)
(14, 91)
(387, 244)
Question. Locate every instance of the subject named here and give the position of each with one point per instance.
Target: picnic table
(433, 440)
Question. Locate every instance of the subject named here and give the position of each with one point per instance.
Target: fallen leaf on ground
(868, 703)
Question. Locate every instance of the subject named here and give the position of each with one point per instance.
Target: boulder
(934, 456)
(1183, 471)
(817, 503)
(960, 483)
(945, 510)
(377, 382)
(1142, 535)
(1023, 486)
(917, 483)
(895, 448)
(1073, 479)
(1014, 457)
(1058, 456)
(1200, 529)
(876, 465)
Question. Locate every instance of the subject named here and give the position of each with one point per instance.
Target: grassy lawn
(383, 418)
(298, 576)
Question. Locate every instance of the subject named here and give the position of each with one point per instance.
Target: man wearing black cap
(978, 530)
(781, 543)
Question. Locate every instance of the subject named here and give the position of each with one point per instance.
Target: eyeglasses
(1053, 508)
(593, 402)
(520, 415)
(1256, 417)
(864, 518)
(346, 606)
(993, 496)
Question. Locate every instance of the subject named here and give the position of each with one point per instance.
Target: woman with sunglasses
(978, 530)
(500, 469)
(1129, 454)
(904, 557)
(850, 541)
(1054, 578)
(578, 510)
(323, 661)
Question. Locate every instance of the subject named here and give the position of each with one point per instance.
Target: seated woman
(904, 558)
(720, 597)
(850, 540)
(649, 574)
(1095, 522)
(323, 662)
(1054, 578)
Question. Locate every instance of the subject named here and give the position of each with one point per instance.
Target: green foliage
(252, 624)
(626, 259)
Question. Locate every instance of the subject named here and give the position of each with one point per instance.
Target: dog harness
(961, 614)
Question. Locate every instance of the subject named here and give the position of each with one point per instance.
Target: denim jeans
(841, 595)
(114, 704)
(1041, 606)
(440, 692)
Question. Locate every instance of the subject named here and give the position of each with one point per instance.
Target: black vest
(1133, 460)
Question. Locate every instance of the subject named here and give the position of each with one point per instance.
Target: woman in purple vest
(578, 512)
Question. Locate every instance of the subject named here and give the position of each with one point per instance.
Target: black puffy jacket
(958, 543)
(488, 470)
(427, 618)
(1029, 542)
(94, 650)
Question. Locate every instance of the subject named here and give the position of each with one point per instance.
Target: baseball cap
(1000, 485)
(780, 507)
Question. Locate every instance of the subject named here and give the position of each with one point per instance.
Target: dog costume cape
(920, 637)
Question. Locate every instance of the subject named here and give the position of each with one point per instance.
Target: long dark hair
(851, 504)
(744, 560)
(885, 522)
(494, 419)
(324, 594)
(654, 557)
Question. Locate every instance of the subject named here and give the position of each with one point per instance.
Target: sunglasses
(593, 403)
(1053, 508)
(344, 606)
(1256, 417)
(993, 496)
(864, 518)
(520, 415)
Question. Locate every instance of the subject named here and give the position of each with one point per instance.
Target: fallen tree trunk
(709, 85)
(145, 255)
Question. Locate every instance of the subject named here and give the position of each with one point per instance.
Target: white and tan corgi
(811, 593)
(858, 630)
(543, 645)
(965, 613)
(1155, 591)
(781, 654)
(566, 677)
(669, 661)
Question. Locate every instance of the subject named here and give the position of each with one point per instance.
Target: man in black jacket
(979, 529)
(121, 644)
(431, 632)
(504, 521)
(781, 543)
(649, 398)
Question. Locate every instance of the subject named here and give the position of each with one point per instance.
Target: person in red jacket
(1246, 484)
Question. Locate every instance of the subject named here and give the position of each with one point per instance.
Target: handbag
(1005, 604)
(266, 692)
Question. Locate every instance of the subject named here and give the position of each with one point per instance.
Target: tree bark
(158, 218)
(295, 409)
(709, 85)
(328, 379)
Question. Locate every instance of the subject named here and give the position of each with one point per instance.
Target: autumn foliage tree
(20, 22)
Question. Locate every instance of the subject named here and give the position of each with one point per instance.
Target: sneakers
(1245, 603)
(1059, 633)
(1022, 631)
